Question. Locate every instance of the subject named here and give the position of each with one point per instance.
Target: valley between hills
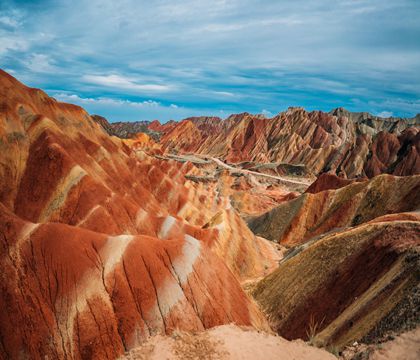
(292, 237)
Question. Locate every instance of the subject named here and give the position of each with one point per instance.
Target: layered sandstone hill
(310, 215)
(351, 285)
(349, 144)
(106, 241)
(127, 130)
(353, 268)
(103, 245)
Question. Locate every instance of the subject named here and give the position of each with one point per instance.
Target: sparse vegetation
(313, 329)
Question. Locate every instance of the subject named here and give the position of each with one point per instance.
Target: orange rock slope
(356, 284)
(347, 144)
(102, 245)
(351, 272)
(310, 215)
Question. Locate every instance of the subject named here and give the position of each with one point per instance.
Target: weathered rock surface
(105, 241)
(329, 182)
(127, 130)
(344, 143)
(352, 271)
(337, 289)
(310, 215)
(102, 244)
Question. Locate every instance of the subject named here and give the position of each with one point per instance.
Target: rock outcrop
(329, 182)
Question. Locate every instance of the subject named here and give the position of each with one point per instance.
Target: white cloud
(12, 43)
(9, 21)
(267, 113)
(403, 105)
(73, 98)
(121, 82)
(328, 85)
(125, 110)
(385, 114)
(264, 54)
(40, 63)
(224, 93)
(221, 27)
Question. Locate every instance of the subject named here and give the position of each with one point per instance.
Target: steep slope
(311, 215)
(349, 144)
(126, 130)
(353, 268)
(346, 285)
(327, 181)
(155, 125)
(101, 244)
(91, 295)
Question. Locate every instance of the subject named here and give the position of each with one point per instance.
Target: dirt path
(280, 178)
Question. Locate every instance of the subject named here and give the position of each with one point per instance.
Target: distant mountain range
(341, 142)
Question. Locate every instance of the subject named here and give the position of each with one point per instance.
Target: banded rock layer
(352, 270)
(350, 285)
(103, 245)
(313, 214)
(344, 143)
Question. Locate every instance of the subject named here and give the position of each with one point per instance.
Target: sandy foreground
(230, 342)
(227, 342)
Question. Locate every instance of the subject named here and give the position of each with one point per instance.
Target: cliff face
(102, 245)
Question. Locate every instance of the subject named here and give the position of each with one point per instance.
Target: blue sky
(140, 60)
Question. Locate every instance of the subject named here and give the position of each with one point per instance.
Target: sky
(133, 60)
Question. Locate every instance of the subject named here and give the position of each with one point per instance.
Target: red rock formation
(102, 245)
(155, 125)
(383, 153)
(106, 241)
(329, 182)
(346, 285)
(141, 141)
(348, 144)
(90, 295)
(313, 214)
(351, 271)
(409, 154)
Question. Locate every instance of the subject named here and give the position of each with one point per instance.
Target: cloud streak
(214, 57)
(73, 98)
(120, 82)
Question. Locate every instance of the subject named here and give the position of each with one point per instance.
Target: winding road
(280, 178)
